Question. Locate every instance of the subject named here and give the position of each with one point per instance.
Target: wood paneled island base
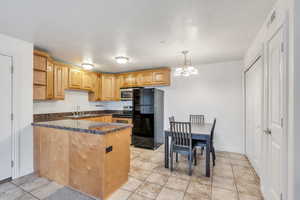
(96, 164)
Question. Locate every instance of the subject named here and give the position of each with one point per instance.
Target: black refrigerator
(148, 118)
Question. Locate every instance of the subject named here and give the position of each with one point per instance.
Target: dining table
(200, 132)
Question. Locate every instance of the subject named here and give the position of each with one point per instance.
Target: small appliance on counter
(148, 117)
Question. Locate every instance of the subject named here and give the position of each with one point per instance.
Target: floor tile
(248, 197)
(24, 179)
(225, 183)
(139, 173)
(34, 184)
(177, 183)
(222, 194)
(46, 190)
(120, 195)
(67, 193)
(4, 187)
(162, 170)
(195, 188)
(8, 191)
(188, 196)
(149, 190)
(132, 184)
(138, 197)
(225, 173)
(170, 194)
(249, 189)
(157, 178)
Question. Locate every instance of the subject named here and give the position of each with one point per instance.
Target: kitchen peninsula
(92, 157)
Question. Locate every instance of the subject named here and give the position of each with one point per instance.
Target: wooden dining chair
(172, 119)
(197, 119)
(181, 142)
(203, 145)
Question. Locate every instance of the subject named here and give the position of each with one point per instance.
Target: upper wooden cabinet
(40, 76)
(60, 77)
(39, 62)
(75, 78)
(95, 93)
(161, 77)
(50, 79)
(108, 87)
(145, 78)
(87, 82)
(129, 79)
(119, 82)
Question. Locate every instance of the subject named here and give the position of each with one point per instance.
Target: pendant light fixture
(186, 69)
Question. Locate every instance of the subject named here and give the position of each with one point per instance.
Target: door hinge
(12, 163)
(282, 47)
(12, 116)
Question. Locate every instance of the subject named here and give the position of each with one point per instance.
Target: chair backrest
(197, 119)
(213, 131)
(181, 133)
(172, 119)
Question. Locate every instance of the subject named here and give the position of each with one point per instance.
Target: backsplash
(75, 100)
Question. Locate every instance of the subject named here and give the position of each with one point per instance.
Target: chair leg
(202, 149)
(190, 163)
(214, 156)
(176, 157)
(171, 161)
(195, 157)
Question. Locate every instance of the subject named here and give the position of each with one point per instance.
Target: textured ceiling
(151, 33)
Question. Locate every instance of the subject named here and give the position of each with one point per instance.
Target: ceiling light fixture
(187, 69)
(122, 59)
(87, 66)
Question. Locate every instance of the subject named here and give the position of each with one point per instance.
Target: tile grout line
(25, 191)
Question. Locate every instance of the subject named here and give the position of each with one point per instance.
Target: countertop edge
(123, 126)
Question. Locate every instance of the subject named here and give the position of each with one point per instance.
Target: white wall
(22, 53)
(215, 92)
(74, 98)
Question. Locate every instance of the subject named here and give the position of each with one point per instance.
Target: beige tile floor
(232, 178)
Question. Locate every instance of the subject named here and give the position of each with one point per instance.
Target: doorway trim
(15, 139)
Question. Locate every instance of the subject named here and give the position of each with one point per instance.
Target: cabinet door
(39, 62)
(65, 75)
(161, 77)
(144, 78)
(87, 83)
(129, 80)
(39, 77)
(108, 87)
(75, 78)
(50, 77)
(118, 85)
(94, 95)
(58, 82)
(39, 92)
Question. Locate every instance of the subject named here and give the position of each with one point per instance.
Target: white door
(275, 115)
(5, 118)
(254, 93)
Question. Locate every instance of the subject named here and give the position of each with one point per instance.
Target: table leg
(207, 158)
(166, 150)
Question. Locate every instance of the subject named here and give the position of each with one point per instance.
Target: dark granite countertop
(83, 126)
(83, 116)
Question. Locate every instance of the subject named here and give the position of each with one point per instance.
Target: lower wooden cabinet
(122, 120)
(104, 119)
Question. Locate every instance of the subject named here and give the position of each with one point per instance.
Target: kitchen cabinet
(50, 79)
(95, 93)
(161, 77)
(145, 78)
(108, 87)
(129, 79)
(59, 81)
(39, 92)
(39, 77)
(75, 78)
(104, 119)
(39, 62)
(87, 82)
(118, 85)
(122, 120)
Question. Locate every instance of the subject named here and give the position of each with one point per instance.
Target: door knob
(268, 131)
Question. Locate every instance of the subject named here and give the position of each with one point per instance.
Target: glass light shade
(122, 60)
(87, 66)
(185, 71)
